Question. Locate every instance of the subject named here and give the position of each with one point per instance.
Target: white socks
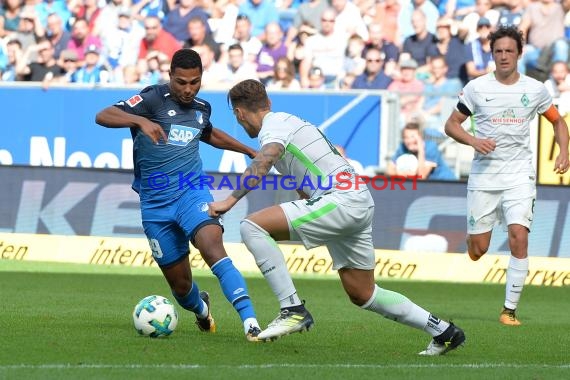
(271, 262)
(399, 308)
(249, 323)
(516, 276)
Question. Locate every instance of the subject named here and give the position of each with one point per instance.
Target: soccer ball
(155, 316)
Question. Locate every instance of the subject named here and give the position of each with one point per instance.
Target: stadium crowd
(420, 49)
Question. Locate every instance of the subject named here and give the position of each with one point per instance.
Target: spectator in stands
(270, 52)
(373, 77)
(467, 28)
(251, 45)
(416, 156)
(307, 18)
(10, 17)
(87, 10)
(260, 13)
(30, 30)
(324, 50)
(47, 7)
(177, 20)
(150, 68)
(390, 50)
(223, 21)
(143, 9)
(543, 26)
(558, 81)
(405, 20)
(3, 58)
(316, 79)
(164, 72)
(453, 49)
(57, 34)
(14, 55)
(387, 14)
(456, 9)
(354, 61)
(122, 41)
(440, 95)
(45, 67)
(512, 12)
(348, 19)
(92, 71)
(422, 45)
(68, 60)
(409, 88)
(81, 38)
(129, 76)
(283, 76)
(200, 35)
(109, 15)
(237, 68)
(480, 58)
(347, 81)
(296, 49)
(558, 85)
(213, 72)
(157, 39)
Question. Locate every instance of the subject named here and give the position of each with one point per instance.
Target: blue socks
(234, 287)
(192, 300)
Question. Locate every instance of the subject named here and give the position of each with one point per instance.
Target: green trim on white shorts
(313, 215)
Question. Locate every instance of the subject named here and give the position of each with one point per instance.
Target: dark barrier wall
(101, 203)
(57, 128)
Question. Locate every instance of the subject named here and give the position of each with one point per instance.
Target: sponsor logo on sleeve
(134, 100)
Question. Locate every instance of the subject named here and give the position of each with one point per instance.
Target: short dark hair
(185, 59)
(510, 31)
(235, 47)
(412, 126)
(249, 94)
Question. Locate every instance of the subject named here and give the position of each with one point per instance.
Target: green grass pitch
(74, 322)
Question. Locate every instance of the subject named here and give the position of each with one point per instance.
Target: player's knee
(476, 249)
(358, 297)
(357, 300)
(249, 230)
(181, 288)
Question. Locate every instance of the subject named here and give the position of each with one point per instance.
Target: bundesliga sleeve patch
(134, 100)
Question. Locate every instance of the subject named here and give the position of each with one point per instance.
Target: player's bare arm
(454, 130)
(113, 117)
(221, 140)
(562, 162)
(259, 167)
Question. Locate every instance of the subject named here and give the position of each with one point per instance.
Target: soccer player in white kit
(326, 214)
(501, 186)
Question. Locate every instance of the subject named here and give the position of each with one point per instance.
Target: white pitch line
(272, 366)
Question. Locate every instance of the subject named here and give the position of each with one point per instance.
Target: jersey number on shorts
(155, 248)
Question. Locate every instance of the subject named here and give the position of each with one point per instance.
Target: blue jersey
(164, 171)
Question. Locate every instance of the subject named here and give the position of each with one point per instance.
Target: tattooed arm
(259, 167)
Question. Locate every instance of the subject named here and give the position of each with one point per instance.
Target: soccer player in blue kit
(167, 122)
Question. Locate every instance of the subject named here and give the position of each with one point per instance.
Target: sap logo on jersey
(180, 135)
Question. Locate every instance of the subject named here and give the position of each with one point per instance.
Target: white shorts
(485, 209)
(342, 221)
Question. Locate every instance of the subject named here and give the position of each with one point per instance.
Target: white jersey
(309, 157)
(503, 113)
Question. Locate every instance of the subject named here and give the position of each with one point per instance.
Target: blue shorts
(168, 228)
